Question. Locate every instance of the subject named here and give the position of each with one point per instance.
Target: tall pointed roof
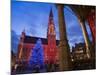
(51, 14)
(51, 27)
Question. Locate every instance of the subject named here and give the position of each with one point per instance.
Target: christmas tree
(37, 56)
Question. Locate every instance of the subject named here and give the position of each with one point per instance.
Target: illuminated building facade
(79, 52)
(49, 44)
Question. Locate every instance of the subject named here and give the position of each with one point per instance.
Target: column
(64, 50)
(86, 37)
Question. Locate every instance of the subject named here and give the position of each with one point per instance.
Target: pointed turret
(22, 36)
(51, 14)
(51, 28)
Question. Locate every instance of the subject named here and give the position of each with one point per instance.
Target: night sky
(33, 17)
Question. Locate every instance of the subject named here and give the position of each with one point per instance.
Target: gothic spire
(51, 14)
(51, 28)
